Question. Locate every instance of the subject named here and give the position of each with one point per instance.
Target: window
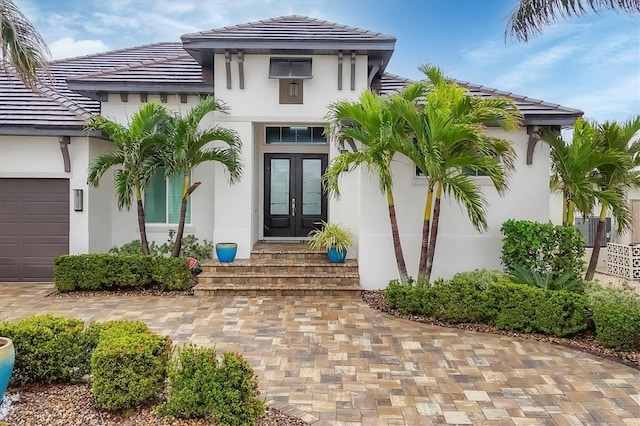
(290, 68)
(163, 198)
(295, 134)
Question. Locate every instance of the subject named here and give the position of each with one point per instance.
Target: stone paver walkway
(336, 361)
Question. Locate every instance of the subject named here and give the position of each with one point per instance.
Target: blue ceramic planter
(336, 256)
(7, 358)
(226, 252)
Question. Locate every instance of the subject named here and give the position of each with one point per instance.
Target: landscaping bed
(585, 341)
(73, 405)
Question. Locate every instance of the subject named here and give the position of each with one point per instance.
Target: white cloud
(68, 47)
(617, 101)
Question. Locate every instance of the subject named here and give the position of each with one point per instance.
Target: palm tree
(574, 170)
(615, 137)
(134, 157)
(22, 48)
(449, 143)
(531, 16)
(370, 122)
(186, 149)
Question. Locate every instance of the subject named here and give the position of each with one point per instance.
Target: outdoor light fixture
(293, 89)
(77, 200)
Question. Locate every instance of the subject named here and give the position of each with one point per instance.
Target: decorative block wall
(623, 260)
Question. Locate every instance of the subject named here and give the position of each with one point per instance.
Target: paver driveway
(336, 360)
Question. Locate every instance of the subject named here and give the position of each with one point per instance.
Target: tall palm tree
(22, 48)
(531, 16)
(574, 170)
(449, 143)
(615, 137)
(186, 149)
(134, 157)
(370, 122)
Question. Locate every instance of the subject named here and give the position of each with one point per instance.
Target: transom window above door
(295, 134)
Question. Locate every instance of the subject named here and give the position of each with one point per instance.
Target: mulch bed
(585, 342)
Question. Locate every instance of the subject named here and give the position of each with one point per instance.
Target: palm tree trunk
(186, 193)
(595, 253)
(433, 236)
(565, 210)
(422, 265)
(571, 213)
(144, 243)
(397, 246)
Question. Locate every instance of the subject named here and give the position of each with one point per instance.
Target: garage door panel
(34, 224)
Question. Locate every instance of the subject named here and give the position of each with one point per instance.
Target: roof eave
(91, 89)
(47, 130)
(556, 119)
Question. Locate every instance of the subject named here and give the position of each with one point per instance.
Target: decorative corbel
(374, 70)
(124, 97)
(353, 70)
(227, 64)
(64, 142)
(241, 69)
(340, 70)
(534, 137)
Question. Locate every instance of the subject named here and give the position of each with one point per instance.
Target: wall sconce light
(77, 200)
(293, 89)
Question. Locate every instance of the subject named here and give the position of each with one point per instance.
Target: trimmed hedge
(616, 316)
(128, 367)
(110, 271)
(48, 350)
(486, 298)
(200, 386)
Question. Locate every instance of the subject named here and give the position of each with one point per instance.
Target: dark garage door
(34, 227)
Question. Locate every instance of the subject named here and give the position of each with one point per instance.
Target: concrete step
(280, 266)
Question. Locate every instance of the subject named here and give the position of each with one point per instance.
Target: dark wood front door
(294, 202)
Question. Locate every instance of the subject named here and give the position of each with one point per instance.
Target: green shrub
(109, 271)
(100, 330)
(520, 307)
(409, 298)
(200, 385)
(543, 248)
(191, 247)
(129, 368)
(480, 277)
(616, 316)
(172, 273)
(457, 300)
(48, 350)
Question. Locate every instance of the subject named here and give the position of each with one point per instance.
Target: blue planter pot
(7, 358)
(336, 256)
(226, 252)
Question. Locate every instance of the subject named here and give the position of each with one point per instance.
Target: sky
(590, 63)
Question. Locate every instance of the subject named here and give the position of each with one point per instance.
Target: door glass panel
(279, 186)
(311, 186)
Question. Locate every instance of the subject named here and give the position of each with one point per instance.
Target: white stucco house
(277, 76)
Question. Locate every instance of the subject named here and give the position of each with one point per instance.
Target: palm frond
(101, 164)
(531, 16)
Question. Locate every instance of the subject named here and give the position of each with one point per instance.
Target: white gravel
(6, 404)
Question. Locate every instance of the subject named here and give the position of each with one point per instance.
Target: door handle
(293, 207)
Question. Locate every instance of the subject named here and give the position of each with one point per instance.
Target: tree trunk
(397, 246)
(144, 243)
(595, 253)
(565, 209)
(433, 236)
(571, 213)
(186, 193)
(422, 265)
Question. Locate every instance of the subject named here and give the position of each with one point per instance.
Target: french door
(294, 202)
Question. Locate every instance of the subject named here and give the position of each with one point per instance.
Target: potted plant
(226, 252)
(334, 238)
(7, 358)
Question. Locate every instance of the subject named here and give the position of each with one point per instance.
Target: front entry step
(279, 269)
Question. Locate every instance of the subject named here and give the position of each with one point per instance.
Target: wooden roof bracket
(227, 60)
(353, 70)
(534, 137)
(340, 70)
(241, 69)
(64, 142)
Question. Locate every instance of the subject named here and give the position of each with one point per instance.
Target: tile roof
(286, 28)
(530, 107)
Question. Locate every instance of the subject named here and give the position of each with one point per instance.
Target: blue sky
(591, 63)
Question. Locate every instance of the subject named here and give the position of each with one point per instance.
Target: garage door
(34, 227)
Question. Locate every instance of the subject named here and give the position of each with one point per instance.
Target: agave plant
(566, 281)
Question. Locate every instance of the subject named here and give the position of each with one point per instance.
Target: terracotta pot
(7, 358)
